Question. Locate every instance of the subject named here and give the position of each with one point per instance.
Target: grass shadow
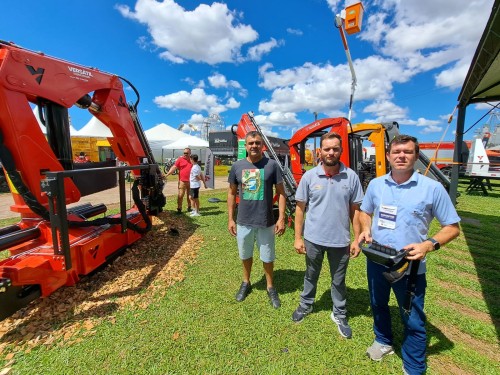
(480, 232)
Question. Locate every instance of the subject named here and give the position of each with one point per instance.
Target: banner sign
(209, 169)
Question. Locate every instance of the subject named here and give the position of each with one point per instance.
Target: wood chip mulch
(134, 280)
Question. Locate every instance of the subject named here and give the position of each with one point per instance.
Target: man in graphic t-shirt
(253, 179)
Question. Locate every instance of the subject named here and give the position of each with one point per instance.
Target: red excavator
(53, 245)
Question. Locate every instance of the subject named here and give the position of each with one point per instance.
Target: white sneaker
(196, 214)
(192, 213)
(377, 351)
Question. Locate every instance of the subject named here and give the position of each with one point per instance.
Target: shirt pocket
(418, 216)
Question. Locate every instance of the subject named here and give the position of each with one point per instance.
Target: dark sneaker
(378, 351)
(179, 210)
(274, 298)
(244, 291)
(300, 313)
(189, 209)
(344, 328)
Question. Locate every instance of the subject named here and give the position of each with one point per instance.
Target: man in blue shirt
(397, 211)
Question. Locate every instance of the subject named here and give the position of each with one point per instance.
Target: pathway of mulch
(134, 280)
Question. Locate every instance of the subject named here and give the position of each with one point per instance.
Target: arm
(356, 228)
(201, 178)
(299, 226)
(231, 201)
(445, 235)
(365, 225)
(280, 224)
(171, 170)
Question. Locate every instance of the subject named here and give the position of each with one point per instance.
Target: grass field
(167, 307)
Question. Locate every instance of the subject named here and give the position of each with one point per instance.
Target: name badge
(387, 216)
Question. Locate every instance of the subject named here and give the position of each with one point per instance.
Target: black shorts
(194, 192)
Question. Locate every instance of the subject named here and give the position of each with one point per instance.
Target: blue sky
(283, 60)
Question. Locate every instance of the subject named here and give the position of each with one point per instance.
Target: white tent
(197, 146)
(94, 128)
(162, 135)
(187, 142)
(163, 132)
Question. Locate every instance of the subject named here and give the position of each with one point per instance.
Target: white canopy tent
(192, 142)
(94, 128)
(162, 135)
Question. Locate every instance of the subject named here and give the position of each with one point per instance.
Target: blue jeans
(415, 337)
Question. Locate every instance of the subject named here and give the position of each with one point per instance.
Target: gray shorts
(246, 237)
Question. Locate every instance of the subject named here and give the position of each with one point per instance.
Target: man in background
(183, 165)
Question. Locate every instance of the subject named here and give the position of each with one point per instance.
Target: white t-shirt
(195, 172)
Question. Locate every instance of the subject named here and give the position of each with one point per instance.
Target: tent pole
(459, 138)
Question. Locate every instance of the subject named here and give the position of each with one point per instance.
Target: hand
(418, 250)
(299, 246)
(231, 227)
(355, 250)
(364, 237)
(279, 228)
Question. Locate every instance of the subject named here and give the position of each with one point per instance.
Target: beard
(331, 162)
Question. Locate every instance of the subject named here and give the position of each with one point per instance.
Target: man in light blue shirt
(397, 211)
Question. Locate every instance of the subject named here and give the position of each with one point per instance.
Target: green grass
(198, 327)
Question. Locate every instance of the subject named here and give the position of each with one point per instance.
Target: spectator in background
(195, 181)
(183, 165)
(82, 158)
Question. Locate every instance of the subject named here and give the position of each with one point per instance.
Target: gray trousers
(338, 259)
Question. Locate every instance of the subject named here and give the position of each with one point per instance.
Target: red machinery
(352, 136)
(52, 246)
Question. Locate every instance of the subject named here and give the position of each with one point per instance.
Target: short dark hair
(252, 134)
(194, 157)
(403, 138)
(331, 135)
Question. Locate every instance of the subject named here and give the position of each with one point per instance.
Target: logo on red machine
(38, 73)
(121, 102)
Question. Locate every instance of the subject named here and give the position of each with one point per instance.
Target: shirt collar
(412, 179)
(321, 172)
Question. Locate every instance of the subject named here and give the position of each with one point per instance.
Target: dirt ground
(108, 197)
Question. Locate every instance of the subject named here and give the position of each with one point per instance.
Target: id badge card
(387, 216)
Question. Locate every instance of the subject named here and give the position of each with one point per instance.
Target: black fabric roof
(482, 83)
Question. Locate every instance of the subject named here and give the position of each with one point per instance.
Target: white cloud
(255, 53)
(294, 31)
(218, 80)
(209, 33)
(325, 88)
(428, 34)
(277, 119)
(197, 100)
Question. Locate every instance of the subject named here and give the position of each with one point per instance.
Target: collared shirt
(418, 201)
(184, 166)
(328, 200)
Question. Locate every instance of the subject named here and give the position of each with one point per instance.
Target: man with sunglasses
(253, 179)
(183, 165)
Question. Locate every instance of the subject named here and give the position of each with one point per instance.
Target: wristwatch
(435, 244)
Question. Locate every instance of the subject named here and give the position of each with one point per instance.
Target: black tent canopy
(482, 84)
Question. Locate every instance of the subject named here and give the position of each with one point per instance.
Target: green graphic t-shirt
(255, 185)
